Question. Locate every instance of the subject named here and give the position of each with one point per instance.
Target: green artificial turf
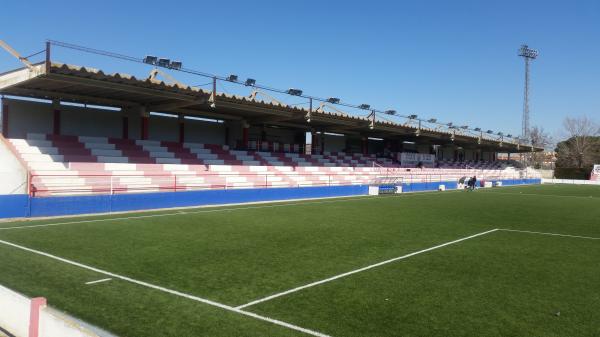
(499, 284)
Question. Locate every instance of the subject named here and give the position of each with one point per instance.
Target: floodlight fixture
(527, 52)
(232, 78)
(294, 92)
(477, 129)
(149, 59)
(500, 134)
(390, 112)
(175, 65)
(333, 100)
(432, 120)
(364, 106)
(465, 127)
(490, 131)
(412, 117)
(509, 135)
(163, 62)
(250, 82)
(450, 124)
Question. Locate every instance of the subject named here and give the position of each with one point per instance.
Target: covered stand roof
(92, 86)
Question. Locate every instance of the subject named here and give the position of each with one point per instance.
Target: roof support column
(145, 122)
(5, 119)
(245, 134)
(322, 142)
(125, 123)
(56, 117)
(181, 120)
(314, 142)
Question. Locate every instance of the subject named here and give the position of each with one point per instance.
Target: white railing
(571, 181)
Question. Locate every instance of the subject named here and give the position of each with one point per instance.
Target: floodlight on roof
(412, 116)
(477, 129)
(294, 92)
(150, 59)
(175, 65)
(450, 124)
(464, 127)
(232, 78)
(500, 134)
(490, 131)
(432, 120)
(390, 112)
(162, 62)
(509, 135)
(333, 100)
(364, 106)
(250, 82)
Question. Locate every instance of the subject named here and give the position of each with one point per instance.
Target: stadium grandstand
(137, 205)
(78, 130)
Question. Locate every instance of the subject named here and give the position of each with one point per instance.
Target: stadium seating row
(85, 165)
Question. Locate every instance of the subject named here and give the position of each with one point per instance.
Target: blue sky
(453, 60)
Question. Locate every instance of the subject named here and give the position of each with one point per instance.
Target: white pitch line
(283, 204)
(552, 234)
(170, 291)
(99, 281)
(287, 292)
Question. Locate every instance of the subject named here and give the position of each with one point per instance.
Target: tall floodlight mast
(527, 54)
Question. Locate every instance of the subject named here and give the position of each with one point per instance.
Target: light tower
(527, 54)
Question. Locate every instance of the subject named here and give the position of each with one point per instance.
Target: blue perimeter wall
(21, 206)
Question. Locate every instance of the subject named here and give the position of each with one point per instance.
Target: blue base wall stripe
(428, 186)
(69, 205)
(126, 202)
(14, 206)
(20, 206)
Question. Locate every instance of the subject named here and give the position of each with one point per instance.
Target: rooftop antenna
(527, 54)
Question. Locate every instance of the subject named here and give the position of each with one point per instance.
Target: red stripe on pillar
(34, 315)
(125, 127)
(5, 120)
(181, 132)
(56, 130)
(365, 146)
(245, 137)
(144, 128)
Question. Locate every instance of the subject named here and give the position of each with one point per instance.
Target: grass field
(483, 263)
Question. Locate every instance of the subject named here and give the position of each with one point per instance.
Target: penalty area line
(170, 291)
(333, 278)
(99, 281)
(551, 234)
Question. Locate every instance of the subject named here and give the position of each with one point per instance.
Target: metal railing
(41, 185)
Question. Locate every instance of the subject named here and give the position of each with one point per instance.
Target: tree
(539, 138)
(581, 148)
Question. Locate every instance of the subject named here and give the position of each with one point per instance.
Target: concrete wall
(37, 117)
(14, 175)
(447, 152)
(205, 132)
(26, 116)
(51, 323)
(334, 143)
(90, 122)
(163, 128)
(424, 149)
